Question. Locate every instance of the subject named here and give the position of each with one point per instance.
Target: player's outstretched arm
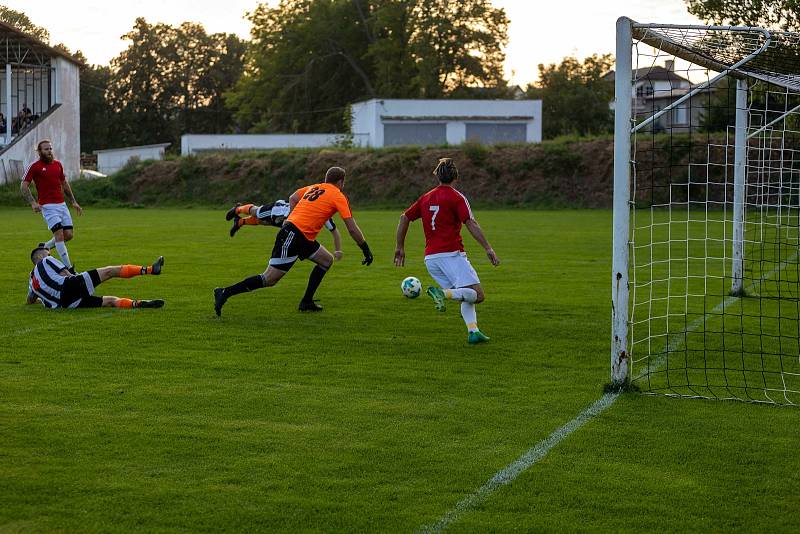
(337, 244)
(32, 298)
(358, 237)
(475, 229)
(293, 200)
(71, 197)
(25, 189)
(399, 249)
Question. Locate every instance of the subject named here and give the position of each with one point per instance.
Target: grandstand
(39, 97)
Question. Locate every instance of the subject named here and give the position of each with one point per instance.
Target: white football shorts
(451, 271)
(56, 213)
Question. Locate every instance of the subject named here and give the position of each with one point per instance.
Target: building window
(643, 90)
(414, 134)
(680, 115)
(493, 132)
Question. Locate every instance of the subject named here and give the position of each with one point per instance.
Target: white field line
(509, 473)
(23, 331)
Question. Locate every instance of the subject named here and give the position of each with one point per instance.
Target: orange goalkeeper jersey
(318, 203)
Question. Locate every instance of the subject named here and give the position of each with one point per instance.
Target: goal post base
(621, 387)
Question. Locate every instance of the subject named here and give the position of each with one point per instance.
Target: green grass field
(374, 415)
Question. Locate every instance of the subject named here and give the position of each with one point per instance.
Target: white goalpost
(706, 222)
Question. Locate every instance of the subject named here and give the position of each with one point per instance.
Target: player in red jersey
(51, 188)
(443, 210)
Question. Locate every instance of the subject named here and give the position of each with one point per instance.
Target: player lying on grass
(309, 207)
(273, 215)
(443, 210)
(52, 283)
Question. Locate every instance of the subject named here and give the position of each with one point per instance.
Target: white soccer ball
(411, 287)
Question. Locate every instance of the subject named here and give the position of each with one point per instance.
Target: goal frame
(627, 31)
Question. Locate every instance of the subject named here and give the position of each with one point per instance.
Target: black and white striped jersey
(47, 283)
(274, 214)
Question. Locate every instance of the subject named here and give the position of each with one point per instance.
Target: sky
(541, 31)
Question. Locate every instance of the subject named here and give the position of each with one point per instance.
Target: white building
(43, 81)
(113, 159)
(196, 143)
(379, 123)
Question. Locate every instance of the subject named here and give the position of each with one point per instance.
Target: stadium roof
(18, 47)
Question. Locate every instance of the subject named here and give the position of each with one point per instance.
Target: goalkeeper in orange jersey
(274, 215)
(309, 207)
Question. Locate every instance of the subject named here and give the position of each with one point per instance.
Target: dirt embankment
(550, 174)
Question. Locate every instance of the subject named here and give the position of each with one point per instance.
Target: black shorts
(291, 245)
(59, 226)
(78, 291)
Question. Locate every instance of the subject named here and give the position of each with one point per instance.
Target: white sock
(469, 315)
(50, 244)
(61, 247)
(463, 294)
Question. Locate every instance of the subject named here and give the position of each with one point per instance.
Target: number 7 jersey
(443, 210)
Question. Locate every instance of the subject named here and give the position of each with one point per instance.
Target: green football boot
(477, 337)
(438, 297)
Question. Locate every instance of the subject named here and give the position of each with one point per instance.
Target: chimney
(669, 64)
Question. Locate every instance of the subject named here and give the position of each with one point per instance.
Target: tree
(784, 14)
(20, 20)
(96, 113)
(170, 81)
(575, 97)
(310, 59)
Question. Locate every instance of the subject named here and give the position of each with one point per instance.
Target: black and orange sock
(248, 220)
(129, 271)
(125, 303)
(244, 209)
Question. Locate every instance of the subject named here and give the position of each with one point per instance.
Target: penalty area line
(532, 456)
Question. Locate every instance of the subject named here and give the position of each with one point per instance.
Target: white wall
(194, 143)
(112, 160)
(368, 118)
(62, 126)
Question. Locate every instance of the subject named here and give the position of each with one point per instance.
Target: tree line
(308, 60)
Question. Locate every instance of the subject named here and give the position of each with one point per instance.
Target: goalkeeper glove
(367, 254)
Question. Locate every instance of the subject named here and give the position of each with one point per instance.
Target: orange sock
(129, 271)
(248, 220)
(124, 303)
(244, 209)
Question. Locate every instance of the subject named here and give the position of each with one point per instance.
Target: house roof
(17, 46)
(654, 73)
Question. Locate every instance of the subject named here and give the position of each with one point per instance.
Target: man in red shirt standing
(443, 210)
(51, 187)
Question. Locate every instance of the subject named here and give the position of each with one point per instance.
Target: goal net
(706, 274)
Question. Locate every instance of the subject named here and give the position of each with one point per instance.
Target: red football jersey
(443, 210)
(48, 178)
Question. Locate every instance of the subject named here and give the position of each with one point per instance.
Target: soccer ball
(411, 287)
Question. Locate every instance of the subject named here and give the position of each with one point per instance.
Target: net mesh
(688, 334)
